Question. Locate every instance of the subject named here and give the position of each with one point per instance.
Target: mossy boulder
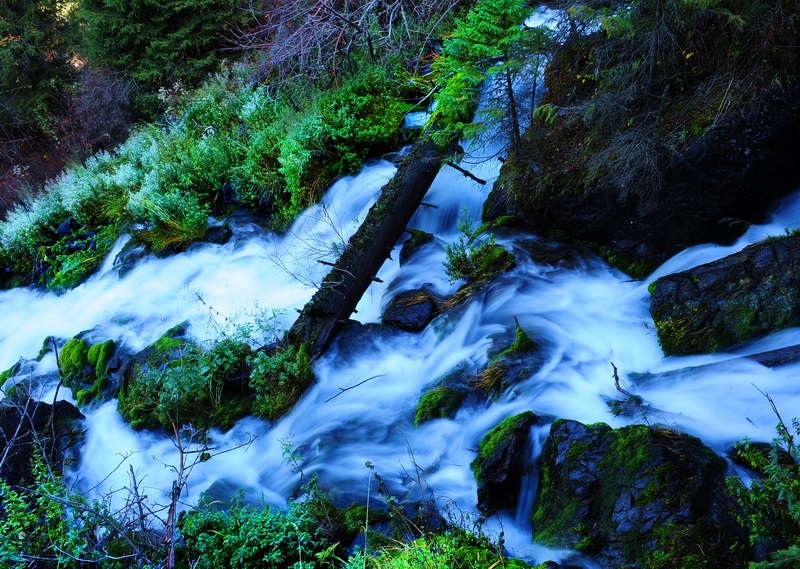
(665, 159)
(412, 310)
(634, 497)
(85, 368)
(500, 463)
(439, 403)
(743, 296)
(74, 361)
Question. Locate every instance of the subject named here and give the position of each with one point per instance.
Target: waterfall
(361, 406)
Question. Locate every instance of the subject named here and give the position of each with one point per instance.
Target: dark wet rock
(743, 296)
(625, 494)
(132, 252)
(413, 244)
(412, 310)
(500, 463)
(219, 234)
(67, 227)
(23, 422)
(713, 188)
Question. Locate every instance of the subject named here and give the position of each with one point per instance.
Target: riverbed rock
(25, 421)
(634, 496)
(743, 296)
(510, 364)
(500, 463)
(412, 310)
(413, 244)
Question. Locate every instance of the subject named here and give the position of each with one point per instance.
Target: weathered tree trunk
(367, 249)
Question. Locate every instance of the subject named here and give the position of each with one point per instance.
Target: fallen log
(368, 248)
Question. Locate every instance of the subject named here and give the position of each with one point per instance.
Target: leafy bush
(52, 526)
(248, 537)
(279, 379)
(452, 548)
(185, 384)
(770, 506)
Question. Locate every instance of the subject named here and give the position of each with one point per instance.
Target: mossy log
(368, 248)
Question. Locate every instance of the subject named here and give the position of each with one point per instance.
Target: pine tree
(33, 64)
(490, 44)
(155, 41)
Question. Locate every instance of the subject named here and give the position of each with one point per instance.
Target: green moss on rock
(439, 403)
(99, 356)
(8, 374)
(498, 437)
(620, 494)
(73, 358)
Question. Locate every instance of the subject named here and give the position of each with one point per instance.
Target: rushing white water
(584, 314)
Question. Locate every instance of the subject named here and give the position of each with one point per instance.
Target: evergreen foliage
(491, 44)
(34, 71)
(156, 42)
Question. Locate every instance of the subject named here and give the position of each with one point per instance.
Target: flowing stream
(583, 313)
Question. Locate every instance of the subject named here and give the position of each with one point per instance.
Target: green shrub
(247, 537)
(770, 506)
(279, 380)
(451, 548)
(475, 257)
(75, 258)
(184, 383)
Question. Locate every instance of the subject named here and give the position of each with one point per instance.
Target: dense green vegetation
(770, 506)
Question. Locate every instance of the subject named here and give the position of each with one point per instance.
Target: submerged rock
(413, 244)
(743, 296)
(500, 464)
(634, 496)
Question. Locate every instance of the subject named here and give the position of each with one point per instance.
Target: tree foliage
(33, 63)
(155, 41)
(491, 44)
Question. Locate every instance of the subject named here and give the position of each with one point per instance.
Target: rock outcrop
(743, 296)
(634, 496)
(29, 427)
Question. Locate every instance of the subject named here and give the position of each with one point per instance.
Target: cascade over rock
(623, 494)
(739, 297)
(499, 465)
